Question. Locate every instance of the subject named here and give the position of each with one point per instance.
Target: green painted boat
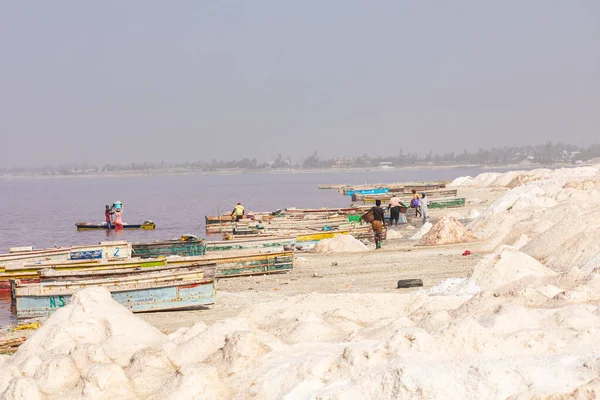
(272, 243)
(448, 203)
(245, 264)
(183, 248)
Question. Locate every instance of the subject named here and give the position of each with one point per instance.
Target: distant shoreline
(138, 174)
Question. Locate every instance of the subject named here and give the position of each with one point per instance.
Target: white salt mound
(521, 242)
(339, 244)
(504, 266)
(461, 181)
(447, 230)
(315, 345)
(422, 231)
(473, 214)
(393, 234)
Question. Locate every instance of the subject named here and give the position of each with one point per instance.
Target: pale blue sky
(122, 81)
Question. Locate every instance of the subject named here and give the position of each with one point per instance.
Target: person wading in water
(118, 222)
(108, 213)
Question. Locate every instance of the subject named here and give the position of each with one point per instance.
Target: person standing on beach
(424, 206)
(415, 203)
(238, 212)
(378, 222)
(394, 208)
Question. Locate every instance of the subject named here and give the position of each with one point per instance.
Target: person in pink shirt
(118, 213)
(394, 208)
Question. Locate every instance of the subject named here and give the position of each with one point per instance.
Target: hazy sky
(122, 81)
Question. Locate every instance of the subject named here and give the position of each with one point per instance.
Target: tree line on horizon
(547, 153)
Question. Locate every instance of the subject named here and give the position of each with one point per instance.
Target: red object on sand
(467, 253)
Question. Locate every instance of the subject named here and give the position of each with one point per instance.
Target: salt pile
(504, 266)
(500, 343)
(421, 231)
(513, 179)
(392, 234)
(339, 244)
(461, 181)
(473, 214)
(447, 231)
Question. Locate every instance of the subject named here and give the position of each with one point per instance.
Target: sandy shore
(369, 272)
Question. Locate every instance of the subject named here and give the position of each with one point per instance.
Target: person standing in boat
(118, 213)
(394, 208)
(378, 222)
(238, 212)
(108, 213)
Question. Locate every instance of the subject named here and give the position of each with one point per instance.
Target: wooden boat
(335, 186)
(280, 228)
(405, 187)
(183, 248)
(309, 237)
(144, 290)
(367, 198)
(29, 273)
(271, 243)
(309, 240)
(379, 190)
(248, 263)
(433, 203)
(448, 203)
(29, 257)
(89, 226)
(103, 250)
(340, 210)
(241, 264)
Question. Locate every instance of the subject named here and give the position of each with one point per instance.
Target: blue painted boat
(142, 290)
(381, 190)
(104, 250)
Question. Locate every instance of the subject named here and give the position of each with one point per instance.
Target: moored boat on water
(152, 289)
(269, 242)
(103, 250)
(185, 247)
(309, 240)
(450, 202)
(28, 257)
(241, 264)
(245, 263)
(379, 190)
(28, 273)
(89, 226)
(437, 193)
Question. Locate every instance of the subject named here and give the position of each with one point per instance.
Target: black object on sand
(408, 283)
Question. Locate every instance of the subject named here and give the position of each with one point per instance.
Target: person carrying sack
(415, 203)
(376, 216)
